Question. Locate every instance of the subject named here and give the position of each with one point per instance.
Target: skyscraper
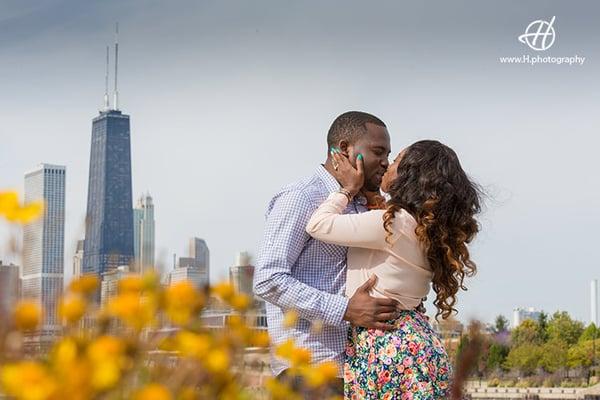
(200, 253)
(109, 222)
(143, 233)
(44, 241)
(78, 259)
(195, 267)
(10, 288)
(242, 273)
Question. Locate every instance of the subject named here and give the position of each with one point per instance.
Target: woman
(419, 240)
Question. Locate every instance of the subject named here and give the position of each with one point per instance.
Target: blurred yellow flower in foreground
(153, 391)
(297, 356)
(217, 361)
(85, 284)
(72, 308)
(224, 290)
(280, 391)
(193, 344)
(183, 302)
(240, 302)
(107, 356)
(321, 374)
(131, 283)
(134, 310)
(27, 380)
(290, 319)
(14, 212)
(27, 315)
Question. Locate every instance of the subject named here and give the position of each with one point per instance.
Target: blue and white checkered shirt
(297, 272)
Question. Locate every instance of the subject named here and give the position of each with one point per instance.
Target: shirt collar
(332, 185)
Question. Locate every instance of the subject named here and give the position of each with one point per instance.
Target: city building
(195, 267)
(200, 253)
(110, 282)
(78, 259)
(194, 275)
(521, 314)
(594, 302)
(44, 242)
(143, 234)
(109, 222)
(10, 288)
(241, 274)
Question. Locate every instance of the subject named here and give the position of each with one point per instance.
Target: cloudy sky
(229, 100)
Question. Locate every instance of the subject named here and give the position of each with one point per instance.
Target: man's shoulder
(309, 189)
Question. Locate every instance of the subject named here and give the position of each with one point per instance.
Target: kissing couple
(355, 248)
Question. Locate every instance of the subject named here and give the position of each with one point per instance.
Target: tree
(497, 354)
(554, 355)
(526, 333)
(582, 354)
(543, 326)
(561, 326)
(590, 333)
(500, 324)
(524, 358)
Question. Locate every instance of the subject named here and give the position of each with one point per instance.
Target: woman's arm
(329, 225)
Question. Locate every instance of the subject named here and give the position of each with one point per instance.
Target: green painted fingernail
(360, 157)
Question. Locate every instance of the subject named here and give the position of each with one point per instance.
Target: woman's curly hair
(432, 186)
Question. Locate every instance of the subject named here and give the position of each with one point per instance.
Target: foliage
(562, 327)
(526, 333)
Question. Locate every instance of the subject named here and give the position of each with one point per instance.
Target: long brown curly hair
(432, 186)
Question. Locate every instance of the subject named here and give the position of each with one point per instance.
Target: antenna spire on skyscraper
(106, 100)
(116, 94)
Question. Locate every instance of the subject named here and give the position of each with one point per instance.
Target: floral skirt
(409, 362)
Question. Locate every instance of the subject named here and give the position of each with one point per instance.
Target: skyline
(217, 104)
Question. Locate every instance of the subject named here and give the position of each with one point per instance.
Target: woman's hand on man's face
(352, 179)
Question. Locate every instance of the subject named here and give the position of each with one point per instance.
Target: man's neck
(329, 168)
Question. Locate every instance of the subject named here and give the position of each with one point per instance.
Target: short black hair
(349, 126)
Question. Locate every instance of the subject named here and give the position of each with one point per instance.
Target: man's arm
(284, 240)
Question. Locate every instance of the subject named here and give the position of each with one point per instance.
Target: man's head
(355, 133)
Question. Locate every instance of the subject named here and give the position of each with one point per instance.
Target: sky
(230, 100)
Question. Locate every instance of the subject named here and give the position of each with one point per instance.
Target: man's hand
(370, 312)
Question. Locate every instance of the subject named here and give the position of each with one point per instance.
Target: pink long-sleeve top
(402, 269)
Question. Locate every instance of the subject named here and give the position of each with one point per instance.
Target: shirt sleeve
(329, 225)
(284, 240)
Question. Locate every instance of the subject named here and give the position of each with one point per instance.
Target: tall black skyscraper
(109, 221)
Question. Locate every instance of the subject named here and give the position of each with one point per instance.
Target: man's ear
(343, 146)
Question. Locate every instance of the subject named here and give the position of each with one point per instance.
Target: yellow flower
(14, 212)
(217, 360)
(240, 302)
(153, 391)
(183, 302)
(85, 284)
(72, 308)
(8, 202)
(321, 374)
(107, 355)
(280, 390)
(224, 290)
(27, 315)
(131, 283)
(290, 318)
(193, 344)
(297, 356)
(27, 380)
(260, 339)
(133, 310)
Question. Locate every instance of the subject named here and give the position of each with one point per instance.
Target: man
(296, 272)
